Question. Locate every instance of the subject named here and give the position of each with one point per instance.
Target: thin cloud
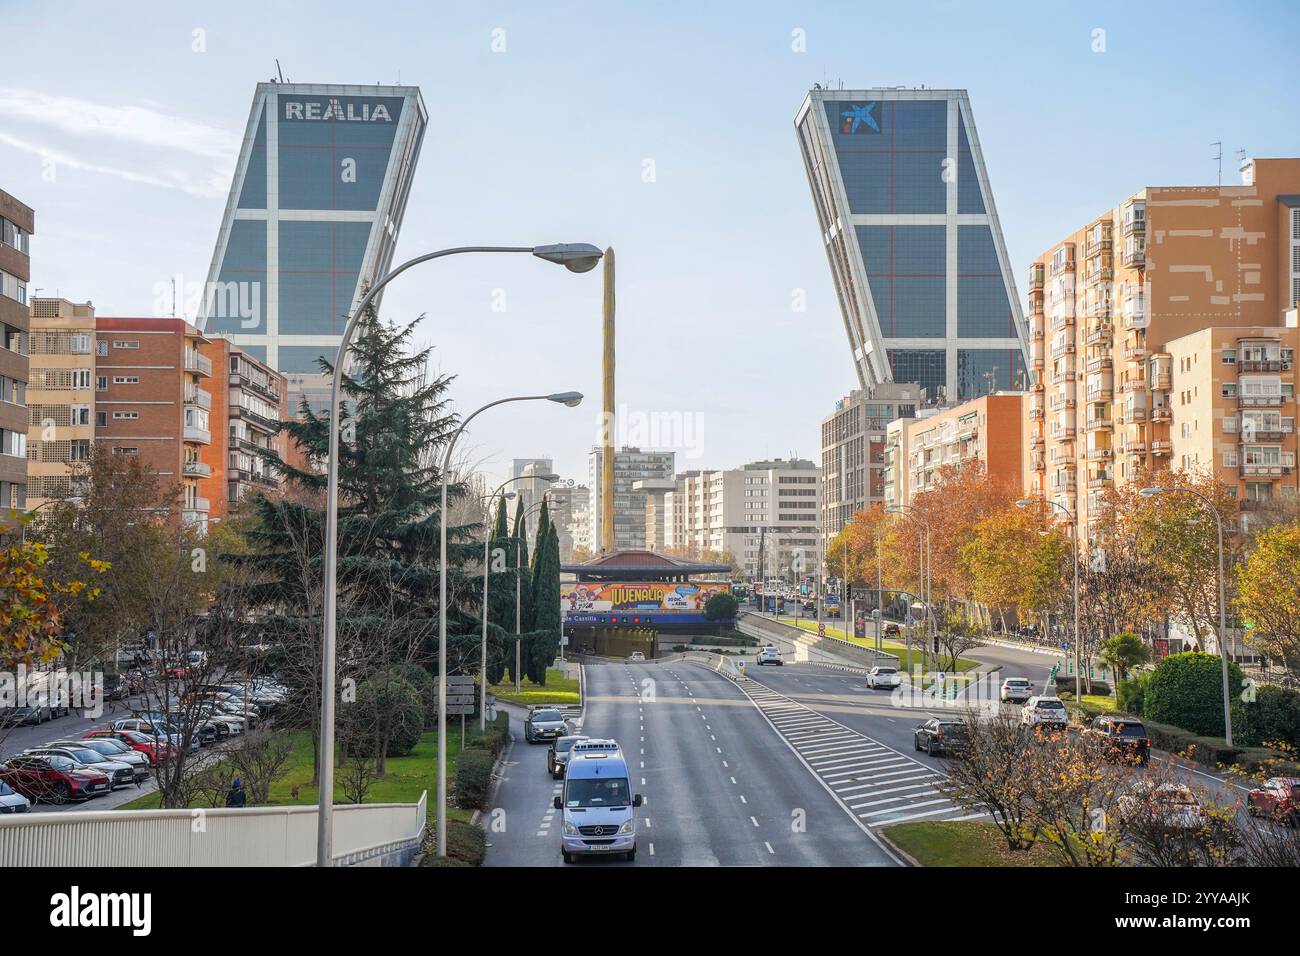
(131, 124)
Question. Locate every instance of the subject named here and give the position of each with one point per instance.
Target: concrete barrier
(816, 648)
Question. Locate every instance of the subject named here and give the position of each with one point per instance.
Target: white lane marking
(769, 847)
(652, 849)
(922, 803)
(647, 823)
(753, 821)
(911, 816)
(724, 763)
(742, 799)
(733, 779)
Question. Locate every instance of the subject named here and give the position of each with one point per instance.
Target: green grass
(406, 776)
(558, 690)
(906, 657)
(969, 843)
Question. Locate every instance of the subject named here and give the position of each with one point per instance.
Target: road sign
(821, 629)
(462, 710)
(460, 700)
(460, 680)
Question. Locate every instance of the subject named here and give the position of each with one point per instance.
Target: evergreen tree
(543, 523)
(518, 560)
(500, 528)
(546, 598)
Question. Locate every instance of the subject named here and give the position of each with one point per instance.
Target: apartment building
(17, 223)
(569, 507)
(630, 466)
(244, 416)
(765, 513)
(1232, 391)
(1106, 302)
(60, 397)
(985, 430)
(151, 401)
(854, 451)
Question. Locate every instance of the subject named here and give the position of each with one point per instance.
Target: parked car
(635, 657)
(1172, 805)
(1126, 737)
(142, 726)
(887, 677)
(1041, 711)
(545, 723)
(1016, 690)
(1278, 799)
(558, 756)
(114, 750)
(11, 801)
(891, 629)
(770, 655)
(119, 773)
(147, 744)
(52, 779)
(939, 736)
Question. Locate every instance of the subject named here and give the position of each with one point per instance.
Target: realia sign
(332, 110)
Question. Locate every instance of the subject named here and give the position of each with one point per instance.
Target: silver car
(546, 723)
(119, 774)
(113, 750)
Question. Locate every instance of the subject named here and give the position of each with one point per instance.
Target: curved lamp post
(487, 543)
(576, 257)
(916, 515)
(1074, 547)
(569, 399)
(1152, 492)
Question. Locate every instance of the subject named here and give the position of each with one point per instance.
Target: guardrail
(254, 836)
(824, 643)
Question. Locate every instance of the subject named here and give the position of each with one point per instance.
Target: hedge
(473, 778)
(1208, 751)
(1274, 717)
(466, 846)
(1186, 690)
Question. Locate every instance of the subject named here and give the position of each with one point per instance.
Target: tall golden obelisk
(607, 424)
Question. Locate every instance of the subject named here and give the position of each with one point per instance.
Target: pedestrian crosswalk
(876, 784)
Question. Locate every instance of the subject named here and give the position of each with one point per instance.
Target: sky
(664, 130)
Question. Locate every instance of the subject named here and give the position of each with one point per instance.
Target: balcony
(197, 396)
(1163, 380)
(1262, 434)
(1162, 413)
(1265, 471)
(1097, 244)
(200, 435)
(196, 469)
(1036, 333)
(1135, 224)
(254, 418)
(1099, 334)
(1134, 258)
(1100, 481)
(1097, 454)
(1100, 272)
(1099, 363)
(194, 362)
(1036, 413)
(1135, 312)
(1065, 265)
(1259, 401)
(1135, 353)
(1036, 276)
(1065, 348)
(1093, 424)
(1128, 416)
(1064, 484)
(1162, 447)
(1263, 365)
(1134, 448)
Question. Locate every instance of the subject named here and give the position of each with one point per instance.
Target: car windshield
(1132, 730)
(1050, 705)
(886, 670)
(547, 715)
(599, 792)
(1017, 683)
(60, 763)
(564, 743)
(5, 789)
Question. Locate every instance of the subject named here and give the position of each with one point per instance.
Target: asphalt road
(720, 786)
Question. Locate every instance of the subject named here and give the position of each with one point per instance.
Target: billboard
(637, 602)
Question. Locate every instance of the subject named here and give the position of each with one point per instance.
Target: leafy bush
(721, 607)
(419, 678)
(1274, 717)
(495, 737)
(386, 707)
(1186, 690)
(1129, 694)
(473, 779)
(1208, 751)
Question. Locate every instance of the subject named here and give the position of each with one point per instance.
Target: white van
(598, 807)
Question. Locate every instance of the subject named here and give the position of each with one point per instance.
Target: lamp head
(1152, 491)
(574, 256)
(571, 399)
(1025, 502)
(547, 477)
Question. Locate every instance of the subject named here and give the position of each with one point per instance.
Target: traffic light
(936, 644)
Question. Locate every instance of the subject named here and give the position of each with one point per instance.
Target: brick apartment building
(152, 400)
(17, 223)
(1108, 399)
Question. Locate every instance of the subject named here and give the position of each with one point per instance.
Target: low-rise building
(985, 430)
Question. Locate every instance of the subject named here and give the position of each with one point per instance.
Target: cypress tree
(518, 560)
(546, 598)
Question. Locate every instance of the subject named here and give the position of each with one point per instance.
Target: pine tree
(499, 529)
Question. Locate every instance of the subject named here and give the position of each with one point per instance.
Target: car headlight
(570, 830)
(626, 828)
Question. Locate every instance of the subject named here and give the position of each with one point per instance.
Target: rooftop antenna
(279, 71)
(1219, 158)
(173, 297)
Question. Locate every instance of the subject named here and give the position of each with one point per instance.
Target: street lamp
(1074, 547)
(569, 400)
(576, 257)
(1156, 490)
(915, 514)
(487, 543)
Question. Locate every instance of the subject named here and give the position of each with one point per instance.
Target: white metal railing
(254, 836)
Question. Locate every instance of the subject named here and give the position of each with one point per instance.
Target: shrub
(1186, 690)
(1129, 694)
(721, 607)
(473, 779)
(419, 678)
(1274, 717)
(1208, 751)
(386, 706)
(466, 843)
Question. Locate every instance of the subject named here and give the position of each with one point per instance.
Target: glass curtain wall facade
(313, 215)
(913, 239)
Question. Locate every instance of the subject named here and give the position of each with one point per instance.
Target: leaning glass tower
(916, 252)
(313, 216)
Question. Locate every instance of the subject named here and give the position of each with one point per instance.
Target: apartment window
(125, 416)
(101, 348)
(1229, 357)
(1229, 459)
(126, 379)
(80, 343)
(101, 383)
(126, 450)
(126, 343)
(1229, 390)
(81, 378)
(79, 414)
(1263, 455)
(101, 419)
(79, 450)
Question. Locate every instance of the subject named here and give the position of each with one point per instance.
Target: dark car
(937, 736)
(147, 744)
(558, 756)
(1278, 799)
(545, 723)
(1126, 737)
(53, 779)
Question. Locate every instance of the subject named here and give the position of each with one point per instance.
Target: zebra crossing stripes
(878, 785)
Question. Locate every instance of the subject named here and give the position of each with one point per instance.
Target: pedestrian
(235, 797)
